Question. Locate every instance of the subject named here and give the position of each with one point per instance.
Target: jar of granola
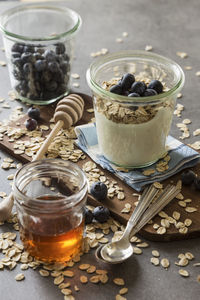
(39, 42)
(132, 129)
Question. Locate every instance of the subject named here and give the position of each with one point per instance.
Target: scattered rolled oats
(181, 54)
(75, 76)
(165, 263)
(155, 253)
(123, 291)
(119, 281)
(137, 250)
(148, 48)
(84, 266)
(19, 277)
(119, 297)
(83, 279)
(155, 261)
(190, 209)
(44, 273)
(184, 273)
(161, 230)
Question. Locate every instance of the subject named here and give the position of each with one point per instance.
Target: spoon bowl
(121, 250)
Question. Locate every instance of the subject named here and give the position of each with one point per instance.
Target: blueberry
(53, 66)
(101, 214)
(17, 62)
(49, 55)
(40, 65)
(116, 89)
(64, 67)
(16, 54)
(66, 57)
(22, 87)
(88, 215)
(29, 48)
(38, 56)
(149, 92)
(138, 87)
(27, 68)
(27, 57)
(133, 95)
(127, 80)
(51, 85)
(46, 76)
(31, 124)
(188, 177)
(60, 48)
(33, 113)
(156, 85)
(99, 190)
(17, 48)
(197, 183)
(18, 74)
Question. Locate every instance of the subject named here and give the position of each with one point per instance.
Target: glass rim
(65, 199)
(4, 18)
(106, 59)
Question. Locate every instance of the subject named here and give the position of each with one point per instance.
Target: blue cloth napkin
(182, 156)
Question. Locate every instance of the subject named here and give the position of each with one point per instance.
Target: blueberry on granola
(156, 85)
(133, 95)
(101, 214)
(127, 80)
(99, 190)
(149, 92)
(116, 89)
(138, 87)
(188, 177)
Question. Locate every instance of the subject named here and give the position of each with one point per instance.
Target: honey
(50, 195)
(50, 248)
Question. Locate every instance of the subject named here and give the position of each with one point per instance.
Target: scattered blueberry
(33, 113)
(31, 124)
(133, 95)
(138, 87)
(88, 215)
(116, 89)
(127, 80)
(99, 190)
(149, 92)
(197, 183)
(156, 85)
(188, 177)
(101, 214)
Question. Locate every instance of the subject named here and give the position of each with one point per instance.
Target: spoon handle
(143, 204)
(167, 195)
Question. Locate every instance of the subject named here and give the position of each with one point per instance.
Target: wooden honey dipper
(68, 111)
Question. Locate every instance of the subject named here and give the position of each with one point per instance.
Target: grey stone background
(169, 26)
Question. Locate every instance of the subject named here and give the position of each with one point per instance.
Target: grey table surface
(169, 26)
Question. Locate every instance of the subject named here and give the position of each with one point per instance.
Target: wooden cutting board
(114, 205)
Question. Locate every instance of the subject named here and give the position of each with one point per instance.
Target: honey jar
(50, 195)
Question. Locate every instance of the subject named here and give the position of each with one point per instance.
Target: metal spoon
(118, 252)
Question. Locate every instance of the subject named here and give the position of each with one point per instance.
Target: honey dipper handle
(45, 145)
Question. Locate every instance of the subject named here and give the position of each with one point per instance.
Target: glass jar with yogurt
(39, 42)
(132, 131)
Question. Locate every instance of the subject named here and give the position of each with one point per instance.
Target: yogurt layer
(134, 145)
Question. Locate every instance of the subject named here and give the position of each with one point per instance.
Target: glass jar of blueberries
(39, 42)
(134, 95)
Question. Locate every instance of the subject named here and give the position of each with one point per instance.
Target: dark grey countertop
(169, 26)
